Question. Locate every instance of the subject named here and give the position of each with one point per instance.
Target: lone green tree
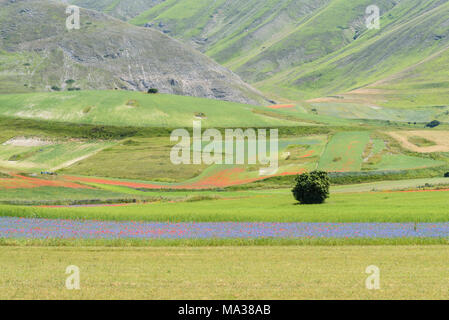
(312, 187)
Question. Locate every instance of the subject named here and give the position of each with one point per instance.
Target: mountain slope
(260, 38)
(407, 41)
(37, 53)
(424, 84)
(122, 9)
(301, 49)
(230, 31)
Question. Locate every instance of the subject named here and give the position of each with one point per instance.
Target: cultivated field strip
(68, 229)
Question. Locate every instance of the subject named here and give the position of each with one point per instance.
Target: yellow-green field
(299, 272)
(124, 108)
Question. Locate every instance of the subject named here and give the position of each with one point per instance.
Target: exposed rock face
(106, 53)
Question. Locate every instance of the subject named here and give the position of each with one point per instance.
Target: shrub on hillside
(87, 109)
(446, 175)
(312, 187)
(433, 124)
(153, 90)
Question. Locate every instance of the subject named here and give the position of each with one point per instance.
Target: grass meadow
(137, 109)
(51, 157)
(344, 152)
(63, 196)
(137, 158)
(269, 206)
(285, 272)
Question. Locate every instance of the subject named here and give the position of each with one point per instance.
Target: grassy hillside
(395, 48)
(230, 31)
(423, 84)
(124, 108)
(307, 49)
(40, 54)
(300, 50)
(122, 9)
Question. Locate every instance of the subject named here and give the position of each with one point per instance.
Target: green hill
(376, 55)
(38, 53)
(122, 9)
(307, 49)
(124, 108)
(318, 51)
(300, 50)
(231, 32)
(422, 89)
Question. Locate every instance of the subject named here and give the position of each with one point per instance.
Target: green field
(337, 108)
(263, 206)
(52, 157)
(404, 162)
(409, 184)
(146, 159)
(66, 196)
(137, 158)
(102, 193)
(122, 108)
(225, 272)
(344, 152)
(135, 155)
(355, 151)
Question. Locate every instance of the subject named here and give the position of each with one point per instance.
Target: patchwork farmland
(92, 118)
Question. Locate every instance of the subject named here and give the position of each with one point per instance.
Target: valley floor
(304, 272)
